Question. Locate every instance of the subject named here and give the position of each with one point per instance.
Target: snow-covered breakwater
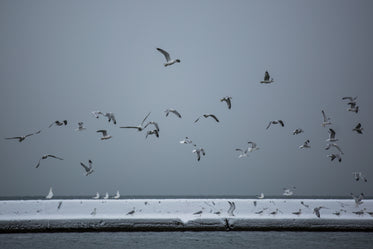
(185, 214)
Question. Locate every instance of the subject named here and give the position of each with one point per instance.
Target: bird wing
(211, 115)
(338, 148)
(104, 132)
(331, 133)
(176, 113)
(239, 150)
(281, 122)
(324, 116)
(167, 55)
(135, 127)
(37, 166)
(269, 124)
(145, 118)
(13, 138)
(85, 167)
(358, 126)
(197, 119)
(253, 145)
(55, 157)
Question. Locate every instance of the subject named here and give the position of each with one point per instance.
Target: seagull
(274, 212)
(21, 138)
(351, 99)
(353, 107)
(50, 194)
(358, 199)
(358, 176)
(297, 131)
(96, 113)
(358, 128)
(88, 169)
(131, 212)
(305, 145)
(326, 120)
(139, 127)
(299, 212)
(106, 196)
(186, 141)
(316, 211)
(335, 146)
(331, 136)
(45, 157)
(288, 191)
(104, 134)
(58, 123)
(334, 156)
(153, 132)
(228, 101)
(261, 211)
(97, 196)
(253, 146)
(80, 127)
(275, 122)
(167, 111)
(93, 212)
(198, 151)
(110, 117)
(152, 123)
(243, 152)
(169, 62)
(117, 195)
(261, 196)
(232, 207)
(267, 78)
(206, 116)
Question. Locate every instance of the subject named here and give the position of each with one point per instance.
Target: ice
(185, 213)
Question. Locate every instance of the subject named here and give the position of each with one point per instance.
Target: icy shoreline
(184, 214)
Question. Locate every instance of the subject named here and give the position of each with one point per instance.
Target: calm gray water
(178, 240)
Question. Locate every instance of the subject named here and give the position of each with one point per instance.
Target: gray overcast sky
(63, 59)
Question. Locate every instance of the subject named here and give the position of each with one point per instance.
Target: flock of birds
(199, 151)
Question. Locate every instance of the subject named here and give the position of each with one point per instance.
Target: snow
(184, 213)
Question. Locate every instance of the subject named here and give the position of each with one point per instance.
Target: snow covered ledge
(185, 214)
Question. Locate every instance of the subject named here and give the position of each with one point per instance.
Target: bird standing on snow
(169, 62)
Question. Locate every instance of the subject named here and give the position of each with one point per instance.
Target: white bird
(358, 199)
(169, 62)
(186, 141)
(297, 131)
(288, 191)
(275, 122)
(104, 134)
(335, 146)
(305, 144)
(244, 153)
(80, 127)
(198, 152)
(117, 195)
(358, 128)
(110, 117)
(153, 132)
(152, 123)
(335, 156)
(140, 127)
(167, 111)
(326, 120)
(106, 196)
(21, 138)
(45, 157)
(88, 169)
(97, 196)
(58, 123)
(206, 116)
(331, 136)
(261, 196)
(50, 194)
(267, 78)
(253, 147)
(227, 100)
(359, 175)
(96, 113)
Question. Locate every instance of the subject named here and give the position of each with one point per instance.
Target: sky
(61, 60)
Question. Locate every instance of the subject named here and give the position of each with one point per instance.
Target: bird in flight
(326, 120)
(153, 132)
(169, 62)
(80, 127)
(306, 144)
(335, 156)
(167, 111)
(228, 101)
(21, 138)
(331, 136)
(267, 78)
(104, 134)
(206, 116)
(358, 128)
(58, 123)
(45, 157)
(275, 122)
(297, 131)
(198, 152)
(140, 127)
(88, 169)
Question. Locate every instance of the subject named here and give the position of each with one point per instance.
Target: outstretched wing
(269, 124)
(85, 167)
(55, 157)
(104, 132)
(142, 123)
(211, 115)
(166, 55)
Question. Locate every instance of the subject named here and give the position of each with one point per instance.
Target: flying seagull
(153, 132)
(198, 152)
(358, 128)
(305, 144)
(45, 157)
(104, 134)
(358, 176)
(206, 116)
(228, 101)
(351, 99)
(275, 122)
(96, 113)
(326, 120)
(297, 131)
(167, 111)
(335, 156)
(335, 146)
(353, 107)
(152, 123)
(58, 123)
(21, 138)
(267, 78)
(110, 117)
(186, 141)
(243, 152)
(169, 62)
(88, 169)
(80, 127)
(140, 127)
(253, 146)
(331, 136)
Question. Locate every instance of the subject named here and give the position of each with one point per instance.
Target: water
(194, 240)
